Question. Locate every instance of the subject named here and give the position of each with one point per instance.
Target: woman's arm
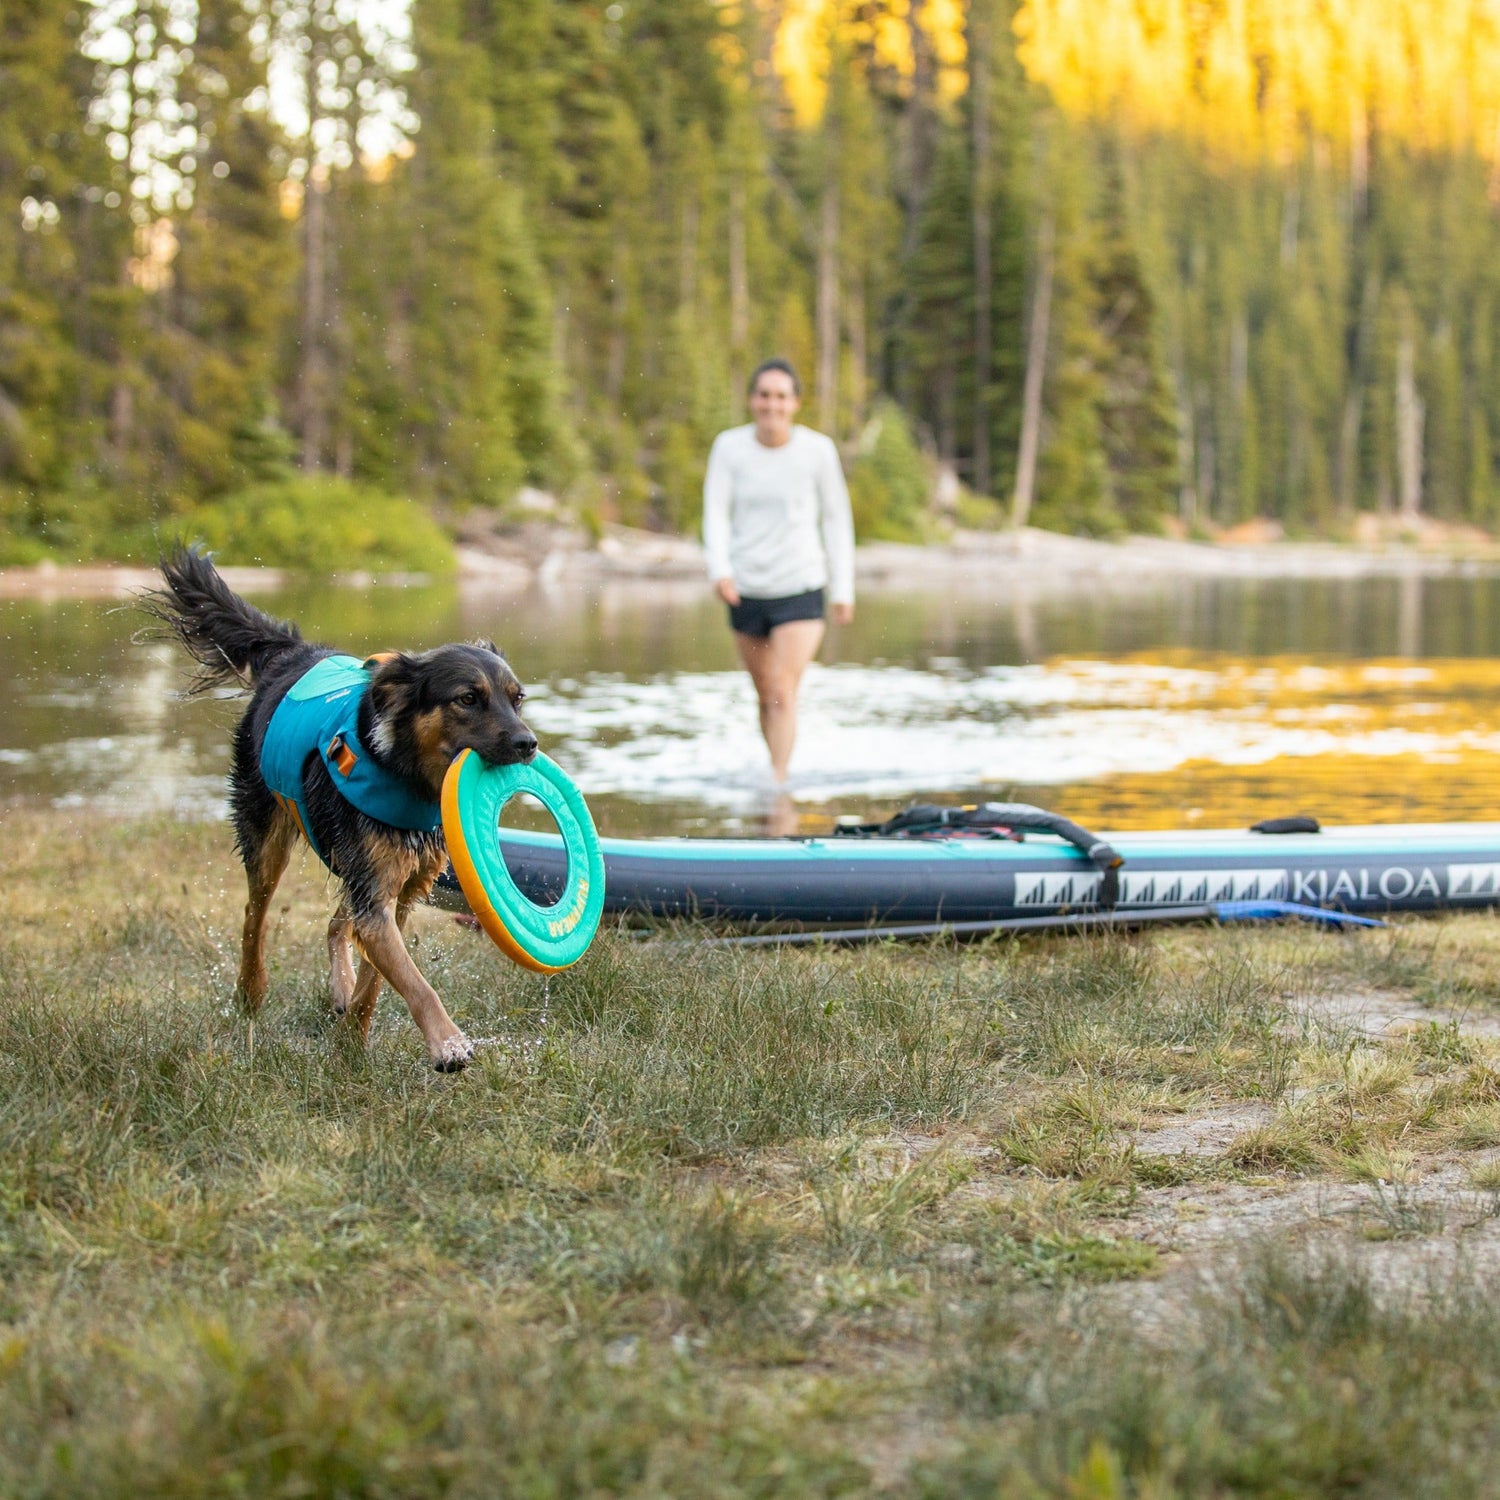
(837, 523)
(717, 494)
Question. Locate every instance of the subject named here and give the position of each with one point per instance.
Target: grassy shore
(1199, 1213)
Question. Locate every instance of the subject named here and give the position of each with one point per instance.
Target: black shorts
(759, 617)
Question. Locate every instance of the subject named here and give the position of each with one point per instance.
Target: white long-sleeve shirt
(777, 520)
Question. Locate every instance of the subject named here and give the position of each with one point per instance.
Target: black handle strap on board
(1001, 819)
(929, 820)
(1298, 824)
(1027, 819)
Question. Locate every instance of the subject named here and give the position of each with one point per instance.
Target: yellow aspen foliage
(1259, 76)
(801, 53)
(943, 21)
(809, 31)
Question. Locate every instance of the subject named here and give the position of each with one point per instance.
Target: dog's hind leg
(354, 995)
(340, 961)
(366, 993)
(265, 862)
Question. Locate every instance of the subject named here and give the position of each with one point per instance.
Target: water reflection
(1130, 704)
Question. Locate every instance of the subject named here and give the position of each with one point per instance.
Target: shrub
(680, 464)
(888, 482)
(19, 551)
(980, 513)
(81, 524)
(322, 526)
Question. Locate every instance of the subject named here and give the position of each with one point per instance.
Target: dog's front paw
(454, 1054)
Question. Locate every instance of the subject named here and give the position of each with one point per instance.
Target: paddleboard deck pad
(1370, 870)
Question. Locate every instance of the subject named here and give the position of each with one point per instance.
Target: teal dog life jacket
(320, 716)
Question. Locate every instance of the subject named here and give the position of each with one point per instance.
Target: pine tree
(934, 378)
(1073, 491)
(459, 430)
(232, 276)
(141, 49)
(1138, 424)
(41, 138)
(64, 236)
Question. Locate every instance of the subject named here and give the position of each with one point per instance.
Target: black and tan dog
(418, 712)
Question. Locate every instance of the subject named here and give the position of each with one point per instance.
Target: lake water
(1185, 702)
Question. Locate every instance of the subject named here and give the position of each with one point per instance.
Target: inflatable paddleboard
(1370, 870)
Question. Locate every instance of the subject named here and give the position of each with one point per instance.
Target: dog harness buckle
(341, 755)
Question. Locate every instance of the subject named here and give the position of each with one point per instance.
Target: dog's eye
(468, 699)
(518, 697)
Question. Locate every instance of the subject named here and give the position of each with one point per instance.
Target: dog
(406, 715)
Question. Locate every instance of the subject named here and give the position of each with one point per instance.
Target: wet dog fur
(421, 710)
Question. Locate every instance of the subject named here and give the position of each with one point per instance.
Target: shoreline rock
(48, 581)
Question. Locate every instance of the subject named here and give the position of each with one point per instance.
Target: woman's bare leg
(776, 665)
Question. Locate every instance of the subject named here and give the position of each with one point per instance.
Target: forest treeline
(1103, 261)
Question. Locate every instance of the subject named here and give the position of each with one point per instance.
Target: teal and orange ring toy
(543, 938)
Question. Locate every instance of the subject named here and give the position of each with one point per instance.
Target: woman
(778, 533)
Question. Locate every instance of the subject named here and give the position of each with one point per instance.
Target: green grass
(703, 1221)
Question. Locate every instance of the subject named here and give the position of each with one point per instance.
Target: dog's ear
(489, 646)
(392, 686)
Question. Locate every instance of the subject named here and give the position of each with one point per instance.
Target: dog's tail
(231, 640)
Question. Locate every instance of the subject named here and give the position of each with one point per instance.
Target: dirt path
(1438, 1217)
